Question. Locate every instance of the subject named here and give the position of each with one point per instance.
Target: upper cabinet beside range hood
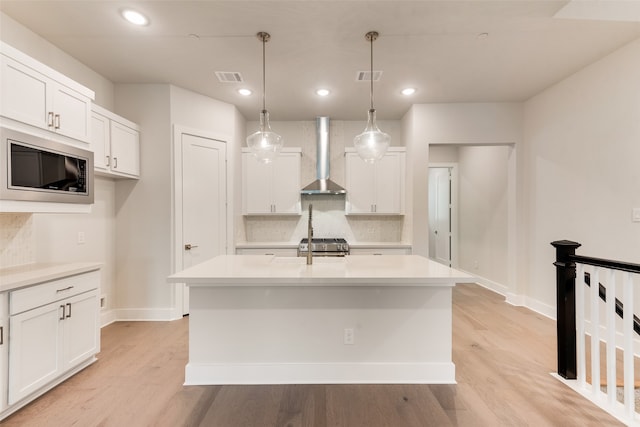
(322, 185)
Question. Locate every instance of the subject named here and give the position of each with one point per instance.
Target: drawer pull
(64, 289)
(69, 313)
(63, 313)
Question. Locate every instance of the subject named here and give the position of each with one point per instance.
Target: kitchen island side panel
(276, 335)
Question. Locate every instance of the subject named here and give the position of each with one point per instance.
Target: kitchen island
(356, 319)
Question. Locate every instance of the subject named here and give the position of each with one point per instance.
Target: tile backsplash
(17, 239)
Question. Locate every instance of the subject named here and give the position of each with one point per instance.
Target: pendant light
(372, 143)
(264, 143)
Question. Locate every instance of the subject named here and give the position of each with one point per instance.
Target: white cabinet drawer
(39, 295)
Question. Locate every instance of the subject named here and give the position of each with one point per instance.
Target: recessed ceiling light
(322, 92)
(408, 91)
(244, 92)
(134, 17)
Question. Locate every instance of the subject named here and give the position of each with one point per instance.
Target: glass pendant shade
(372, 143)
(264, 144)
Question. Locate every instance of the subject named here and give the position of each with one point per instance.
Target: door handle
(189, 246)
(69, 313)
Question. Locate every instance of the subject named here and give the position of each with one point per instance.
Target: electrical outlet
(348, 336)
(635, 215)
(81, 238)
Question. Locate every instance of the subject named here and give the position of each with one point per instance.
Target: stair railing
(573, 326)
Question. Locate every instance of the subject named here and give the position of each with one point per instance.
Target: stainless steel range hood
(322, 185)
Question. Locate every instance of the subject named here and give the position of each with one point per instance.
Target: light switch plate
(635, 216)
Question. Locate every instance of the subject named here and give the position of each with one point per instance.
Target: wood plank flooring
(503, 356)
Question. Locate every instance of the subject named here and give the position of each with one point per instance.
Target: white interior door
(204, 199)
(440, 214)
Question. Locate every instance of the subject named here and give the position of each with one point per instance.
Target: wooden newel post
(566, 307)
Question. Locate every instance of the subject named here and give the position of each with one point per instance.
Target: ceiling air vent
(365, 76)
(229, 76)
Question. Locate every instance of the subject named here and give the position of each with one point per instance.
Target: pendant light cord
(264, 79)
(371, 75)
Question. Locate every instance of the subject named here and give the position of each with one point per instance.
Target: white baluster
(580, 349)
(595, 332)
(611, 336)
(629, 398)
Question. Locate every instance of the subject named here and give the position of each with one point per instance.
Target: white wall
(582, 141)
(144, 207)
(482, 211)
(452, 124)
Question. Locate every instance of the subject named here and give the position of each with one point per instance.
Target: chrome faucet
(309, 237)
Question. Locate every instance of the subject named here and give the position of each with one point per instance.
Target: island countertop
(361, 270)
(361, 319)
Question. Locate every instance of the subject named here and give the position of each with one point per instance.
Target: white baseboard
(319, 373)
(107, 317)
(515, 299)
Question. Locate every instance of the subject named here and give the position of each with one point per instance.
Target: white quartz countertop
(32, 274)
(361, 270)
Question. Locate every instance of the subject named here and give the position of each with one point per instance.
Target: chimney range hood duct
(322, 185)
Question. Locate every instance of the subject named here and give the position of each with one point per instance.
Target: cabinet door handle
(50, 118)
(108, 161)
(1, 335)
(57, 121)
(63, 313)
(69, 313)
(115, 163)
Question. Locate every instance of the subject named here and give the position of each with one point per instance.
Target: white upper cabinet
(375, 188)
(272, 188)
(37, 95)
(115, 142)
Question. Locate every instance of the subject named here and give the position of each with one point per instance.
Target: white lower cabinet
(34, 353)
(54, 330)
(4, 349)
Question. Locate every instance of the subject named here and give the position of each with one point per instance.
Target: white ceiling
(431, 45)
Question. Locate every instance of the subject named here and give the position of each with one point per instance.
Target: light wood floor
(503, 358)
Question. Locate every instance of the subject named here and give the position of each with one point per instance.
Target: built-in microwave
(37, 169)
